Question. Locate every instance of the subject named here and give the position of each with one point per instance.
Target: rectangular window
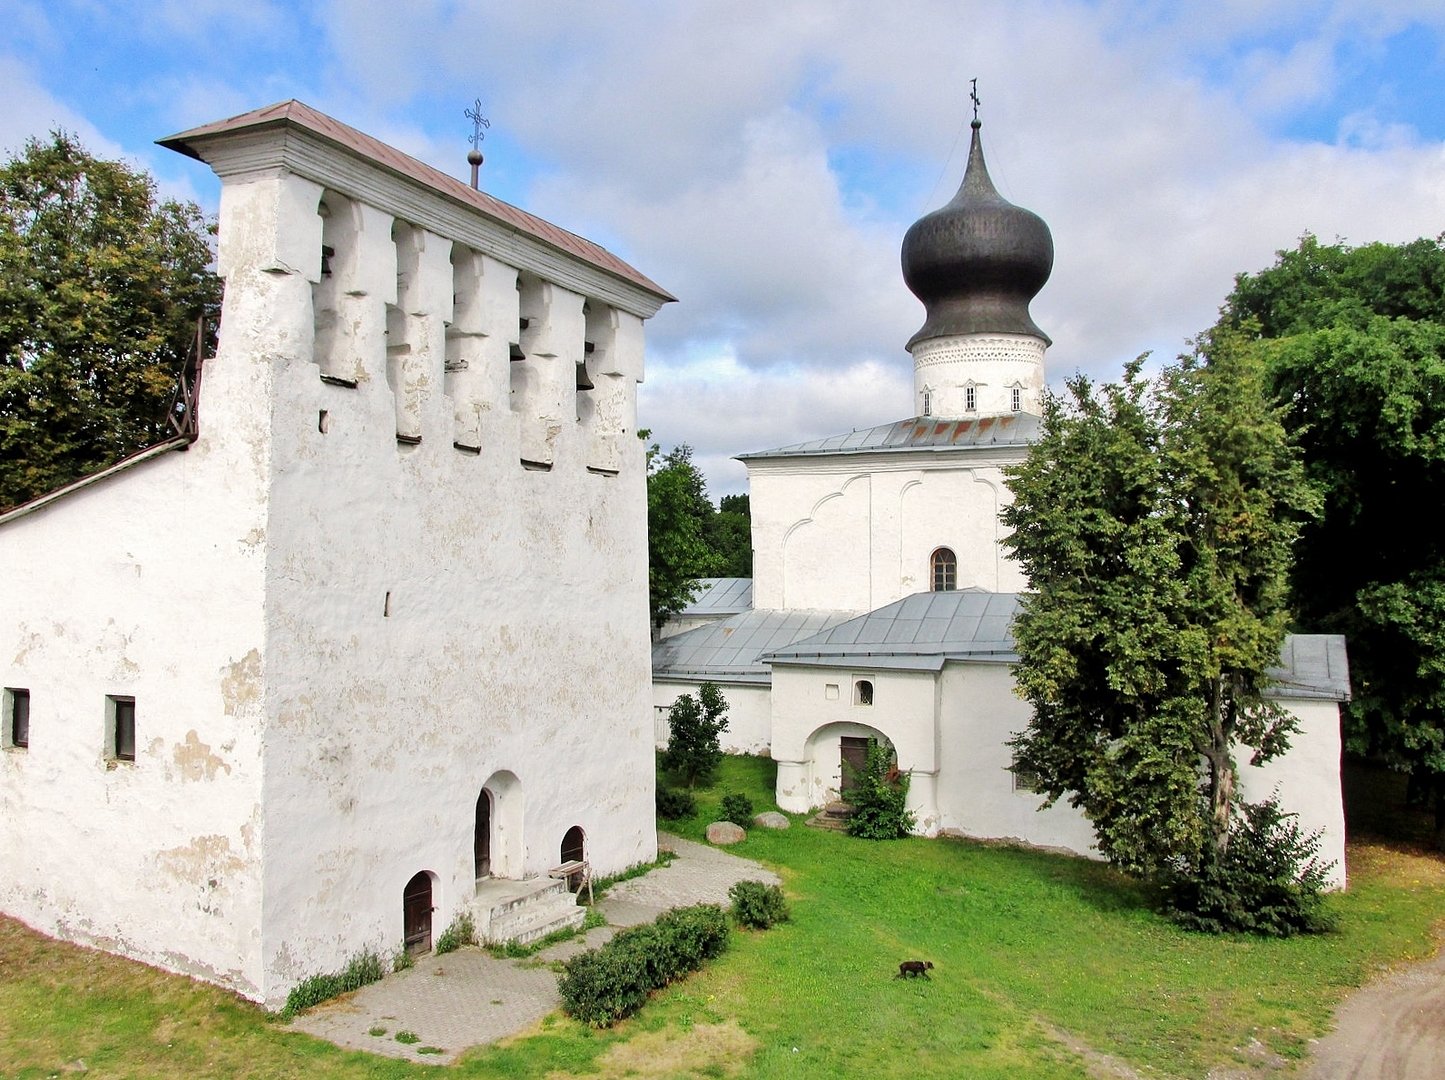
(120, 739)
(1025, 779)
(17, 718)
(1017, 401)
(970, 399)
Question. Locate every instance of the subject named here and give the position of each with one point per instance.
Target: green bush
(1268, 880)
(461, 931)
(601, 986)
(363, 968)
(738, 809)
(673, 805)
(879, 798)
(757, 904)
(695, 725)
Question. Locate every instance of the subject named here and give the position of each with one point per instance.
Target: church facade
(377, 639)
(882, 594)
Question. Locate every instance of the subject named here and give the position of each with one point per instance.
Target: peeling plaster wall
(455, 577)
(856, 532)
(147, 585)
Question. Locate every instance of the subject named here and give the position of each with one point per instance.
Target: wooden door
(482, 841)
(416, 913)
(854, 753)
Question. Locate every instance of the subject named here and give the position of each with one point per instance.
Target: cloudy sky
(761, 159)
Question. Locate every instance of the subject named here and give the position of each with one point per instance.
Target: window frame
(120, 720)
(17, 701)
(864, 689)
(945, 560)
(970, 398)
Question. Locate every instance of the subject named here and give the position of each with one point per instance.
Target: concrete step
(834, 816)
(523, 911)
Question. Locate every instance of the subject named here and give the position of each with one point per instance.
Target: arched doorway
(416, 906)
(574, 849)
(482, 837)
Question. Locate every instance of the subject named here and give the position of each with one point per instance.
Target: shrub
(879, 798)
(461, 931)
(363, 968)
(1267, 881)
(738, 809)
(601, 986)
(673, 805)
(757, 904)
(694, 725)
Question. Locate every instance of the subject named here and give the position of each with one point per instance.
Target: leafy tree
(101, 285)
(678, 512)
(695, 723)
(1154, 520)
(879, 797)
(1354, 338)
(729, 534)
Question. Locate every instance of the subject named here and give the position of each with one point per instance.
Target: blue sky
(763, 158)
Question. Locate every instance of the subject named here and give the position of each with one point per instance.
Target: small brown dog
(911, 968)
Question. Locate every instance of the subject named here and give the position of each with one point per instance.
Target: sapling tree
(695, 726)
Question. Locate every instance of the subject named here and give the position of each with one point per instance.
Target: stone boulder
(724, 833)
(771, 819)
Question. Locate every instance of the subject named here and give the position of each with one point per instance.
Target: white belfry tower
(976, 263)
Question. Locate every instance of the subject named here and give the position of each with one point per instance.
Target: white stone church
(370, 649)
(882, 597)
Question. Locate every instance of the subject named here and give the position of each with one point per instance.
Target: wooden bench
(576, 868)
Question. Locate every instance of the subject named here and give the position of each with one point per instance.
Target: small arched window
(863, 692)
(927, 402)
(945, 570)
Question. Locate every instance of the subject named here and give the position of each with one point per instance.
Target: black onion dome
(977, 262)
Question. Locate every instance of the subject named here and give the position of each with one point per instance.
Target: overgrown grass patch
(1033, 954)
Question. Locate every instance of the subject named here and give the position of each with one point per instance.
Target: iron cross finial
(973, 94)
(474, 114)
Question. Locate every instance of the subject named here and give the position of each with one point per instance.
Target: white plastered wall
(749, 714)
(150, 585)
(854, 533)
(437, 615)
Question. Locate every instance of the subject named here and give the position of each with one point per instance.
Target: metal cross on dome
(474, 114)
(973, 94)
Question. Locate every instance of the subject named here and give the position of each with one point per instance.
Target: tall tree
(1354, 338)
(678, 512)
(1154, 522)
(101, 285)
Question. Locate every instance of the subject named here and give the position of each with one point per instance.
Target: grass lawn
(1043, 964)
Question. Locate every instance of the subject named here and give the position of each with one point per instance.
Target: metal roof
(920, 633)
(729, 650)
(721, 596)
(917, 633)
(919, 433)
(298, 114)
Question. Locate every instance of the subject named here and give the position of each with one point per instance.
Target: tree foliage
(687, 538)
(101, 285)
(1154, 520)
(695, 724)
(678, 511)
(1354, 340)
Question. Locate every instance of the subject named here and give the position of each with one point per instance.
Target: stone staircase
(523, 911)
(834, 816)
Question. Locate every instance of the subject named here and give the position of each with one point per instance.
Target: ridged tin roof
(298, 114)
(721, 596)
(919, 433)
(728, 650)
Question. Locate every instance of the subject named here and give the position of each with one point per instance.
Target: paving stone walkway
(467, 998)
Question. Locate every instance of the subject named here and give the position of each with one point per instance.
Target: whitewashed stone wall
(749, 714)
(951, 730)
(856, 533)
(396, 567)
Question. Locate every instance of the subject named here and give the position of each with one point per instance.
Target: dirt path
(1392, 1029)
